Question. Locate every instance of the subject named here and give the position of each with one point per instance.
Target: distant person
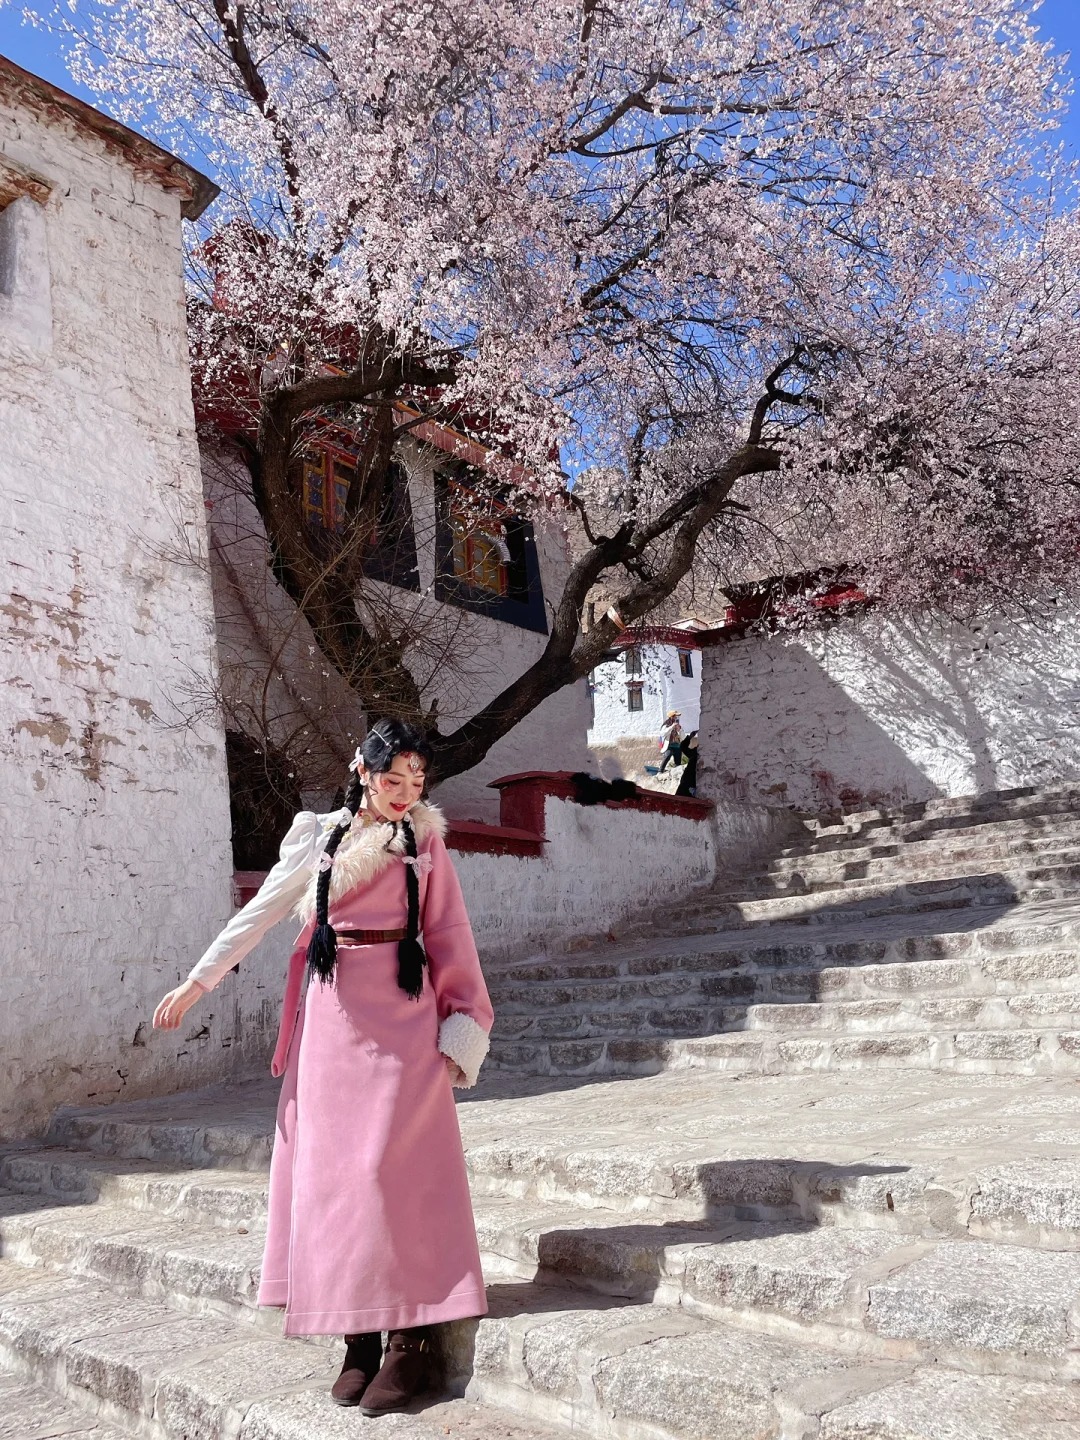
(688, 783)
(671, 741)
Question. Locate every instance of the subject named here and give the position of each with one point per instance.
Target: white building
(115, 819)
(650, 671)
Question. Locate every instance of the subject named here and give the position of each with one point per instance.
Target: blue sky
(39, 51)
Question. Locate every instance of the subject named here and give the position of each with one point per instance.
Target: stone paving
(876, 1251)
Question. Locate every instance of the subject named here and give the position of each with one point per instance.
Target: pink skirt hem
(465, 1305)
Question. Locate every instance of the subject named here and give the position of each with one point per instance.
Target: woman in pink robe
(370, 1224)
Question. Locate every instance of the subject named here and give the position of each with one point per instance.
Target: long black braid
(410, 953)
(384, 741)
(322, 947)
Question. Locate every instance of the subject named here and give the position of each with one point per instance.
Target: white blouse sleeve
(277, 895)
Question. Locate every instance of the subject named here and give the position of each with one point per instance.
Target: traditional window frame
(328, 472)
(635, 695)
(686, 664)
(522, 603)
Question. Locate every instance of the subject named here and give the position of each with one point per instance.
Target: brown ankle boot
(405, 1373)
(362, 1356)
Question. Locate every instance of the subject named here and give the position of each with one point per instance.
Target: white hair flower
(357, 760)
(324, 862)
(420, 863)
(345, 817)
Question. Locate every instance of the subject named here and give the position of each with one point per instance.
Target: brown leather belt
(371, 937)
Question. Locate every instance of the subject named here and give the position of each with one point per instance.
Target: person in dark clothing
(689, 749)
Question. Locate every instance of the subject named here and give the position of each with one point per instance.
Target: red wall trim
(521, 799)
(470, 837)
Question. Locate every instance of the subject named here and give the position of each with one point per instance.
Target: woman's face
(392, 793)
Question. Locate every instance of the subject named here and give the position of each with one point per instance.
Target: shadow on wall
(878, 711)
(777, 727)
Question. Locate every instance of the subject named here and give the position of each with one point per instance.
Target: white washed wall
(115, 823)
(873, 710)
(603, 865)
(663, 689)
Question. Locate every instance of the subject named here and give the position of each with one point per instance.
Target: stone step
(543, 1358)
(1057, 1010)
(909, 862)
(986, 1304)
(1034, 1202)
(231, 1200)
(30, 1412)
(990, 804)
(1033, 977)
(944, 830)
(197, 1268)
(176, 1131)
(882, 873)
(1033, 937)
(147, 1370)
(611, 1373)
(859, 898)
(1032, 1051)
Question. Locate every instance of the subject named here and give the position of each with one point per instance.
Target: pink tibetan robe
(370, 1223)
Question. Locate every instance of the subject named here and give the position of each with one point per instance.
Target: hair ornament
(421, 864)
(416, 765)
(324, 862)
(344, 817)
(357, 760)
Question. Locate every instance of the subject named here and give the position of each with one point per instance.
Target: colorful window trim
(479, 553)
(327, 477)
(498, 575)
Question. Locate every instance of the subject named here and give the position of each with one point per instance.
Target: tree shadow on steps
(642, 1263)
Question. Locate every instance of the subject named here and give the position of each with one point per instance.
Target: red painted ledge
(521, 799)
(471, 837)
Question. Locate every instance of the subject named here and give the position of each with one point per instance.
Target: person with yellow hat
(671, 740)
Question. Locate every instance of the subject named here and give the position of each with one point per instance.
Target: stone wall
(877, 710)
(115, 819)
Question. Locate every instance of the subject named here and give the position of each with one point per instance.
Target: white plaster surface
(602, 865)
(115, 821)
(878, 710)
(663, 689)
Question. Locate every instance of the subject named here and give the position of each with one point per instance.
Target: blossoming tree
(779, 282)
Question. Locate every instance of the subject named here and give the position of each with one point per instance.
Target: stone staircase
(780, 1245)
(680, 1257)
(942, 936)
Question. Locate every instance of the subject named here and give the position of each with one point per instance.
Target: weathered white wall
(873, 710)
(663, 689)
(115, 826)
(602, 865)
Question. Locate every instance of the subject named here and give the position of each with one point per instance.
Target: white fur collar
(366, 851)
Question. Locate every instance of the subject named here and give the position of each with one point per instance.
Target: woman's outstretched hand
(171, 1011)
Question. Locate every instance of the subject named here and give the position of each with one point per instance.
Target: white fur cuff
(466, 1043)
